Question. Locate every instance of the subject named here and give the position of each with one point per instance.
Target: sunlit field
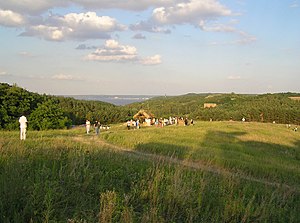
(209, 172)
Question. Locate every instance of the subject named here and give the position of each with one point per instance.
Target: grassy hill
(209, 172)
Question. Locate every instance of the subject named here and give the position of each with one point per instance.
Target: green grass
(266, 151)
(56, 176)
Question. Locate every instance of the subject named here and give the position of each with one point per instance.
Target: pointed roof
(143, 114)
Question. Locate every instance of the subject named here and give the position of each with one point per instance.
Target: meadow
(209, 172)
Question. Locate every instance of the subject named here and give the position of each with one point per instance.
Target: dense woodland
(52, 112)
(259, 108)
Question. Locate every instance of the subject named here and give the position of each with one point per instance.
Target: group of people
(173, 121)
(97, 126)
(133, 124)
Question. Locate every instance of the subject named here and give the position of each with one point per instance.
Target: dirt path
(186, 163)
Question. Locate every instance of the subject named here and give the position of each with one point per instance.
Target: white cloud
(113, 51)
(11, 19)
(243, 37)
(35, 7)
(32, 7)
(122, 4)
(53, 33)
(62, 77)
(192, 12)
(156, 59)
(217, 27)
(79, 26)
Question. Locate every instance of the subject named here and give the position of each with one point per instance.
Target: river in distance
(114, 99)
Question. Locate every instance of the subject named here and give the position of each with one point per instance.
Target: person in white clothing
(23, 126)
(88, 126)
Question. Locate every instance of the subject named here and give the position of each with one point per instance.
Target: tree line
(56, 112)
(279, 107)
(53, 112)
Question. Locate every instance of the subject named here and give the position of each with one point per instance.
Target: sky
(150, 47)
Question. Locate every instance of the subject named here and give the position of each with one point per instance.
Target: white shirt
(23, 121)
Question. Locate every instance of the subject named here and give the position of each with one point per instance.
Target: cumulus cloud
(34, 7)
(156, 59)
(113, 51)
(31, 6)
(62, 77)
(11, 19)
(121, 4)
(201, 14)
(191, 12)
(79, 26)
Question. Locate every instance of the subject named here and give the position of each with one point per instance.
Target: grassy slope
(60, 175)
(266, 151)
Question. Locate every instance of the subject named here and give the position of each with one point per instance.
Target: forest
(52, 112)
(278, 108)
(58, 112)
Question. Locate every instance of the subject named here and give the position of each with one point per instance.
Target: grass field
(209, 172)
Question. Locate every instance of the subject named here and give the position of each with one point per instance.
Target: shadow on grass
(225, 150)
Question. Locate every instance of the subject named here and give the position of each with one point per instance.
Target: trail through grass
(210, 172)
(186, 163)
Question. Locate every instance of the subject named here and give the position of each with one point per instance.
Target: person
(88, 126)
(186, 122)
(97, 127)
(23, 126)
(128, 125)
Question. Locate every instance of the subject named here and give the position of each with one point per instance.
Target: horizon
(150, 47)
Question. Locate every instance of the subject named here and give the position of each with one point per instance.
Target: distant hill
(277, 107)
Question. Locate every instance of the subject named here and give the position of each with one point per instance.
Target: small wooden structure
(210, 105)
(295, 98)
(142, 116)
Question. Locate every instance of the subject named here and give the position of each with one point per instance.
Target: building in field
(295, 98)
(144, 116)
(210, 105)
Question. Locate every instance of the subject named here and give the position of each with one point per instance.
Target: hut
(210, 105)
(144, 116)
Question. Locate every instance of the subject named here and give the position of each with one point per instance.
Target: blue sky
(150, 46)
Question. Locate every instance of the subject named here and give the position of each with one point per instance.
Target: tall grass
(67, 176)
(266, 151)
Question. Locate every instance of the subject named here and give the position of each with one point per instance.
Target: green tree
(48, 115)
